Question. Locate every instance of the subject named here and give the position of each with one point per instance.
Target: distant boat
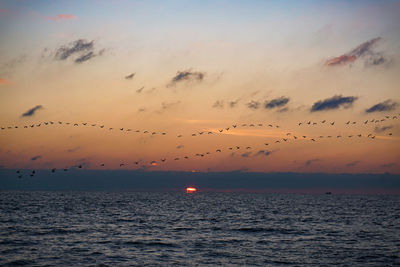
(328, 193)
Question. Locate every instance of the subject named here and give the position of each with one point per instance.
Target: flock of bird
(142, 164)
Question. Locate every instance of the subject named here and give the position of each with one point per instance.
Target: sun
(191, 190)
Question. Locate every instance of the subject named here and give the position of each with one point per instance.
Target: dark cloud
(277, 102)
(233, 103)
(166, 105)
(310, 161)
(36, 157)
(246, 155)
(253, 104)
(263, 153)
(364, 50)
(188, 76)
(73, 149)
(11, 65)
(387, 105)
(85, 57)
(218, 104)
(32, 111)
(388, 165)
(130, 76)
(334, 102)
(353, 163)
(383, 128)
(81, 49)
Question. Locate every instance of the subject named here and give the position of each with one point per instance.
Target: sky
(201, 86)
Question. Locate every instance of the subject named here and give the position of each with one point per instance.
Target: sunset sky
(196, 69)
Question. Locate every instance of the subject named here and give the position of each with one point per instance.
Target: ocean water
(205, 229)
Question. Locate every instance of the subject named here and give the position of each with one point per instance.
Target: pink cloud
(60, 17)
(343, 59)
(363, 50)
(4, 81)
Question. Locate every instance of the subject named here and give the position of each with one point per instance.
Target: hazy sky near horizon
(185, 67)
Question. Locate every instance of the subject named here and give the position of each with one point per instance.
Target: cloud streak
(130, 76)
(32, 111)
(61, 17)
(387, 105)
(81, 50)
(187, 76)
(36, 157)
(276, 103)
(364, 50)
(334, 102)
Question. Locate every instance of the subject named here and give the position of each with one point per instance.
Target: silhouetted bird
(121, 164)
(323, 121)
(218, 150)
(163, 160)
(300, 123)
(221, 130)
(121, 129)
(248, 147)
(75, 124)
(102, 165)
(312, 139)
(266, 144)
(80, 166)
(53, 170)
(390, 134)
(180, 135)
(332, 123)
(101, 126)
(84, 123)
(65, 170)
(234, 126)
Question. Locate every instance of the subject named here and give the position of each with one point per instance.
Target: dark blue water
(117, 229)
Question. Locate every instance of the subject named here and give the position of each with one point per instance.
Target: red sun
(190, 190)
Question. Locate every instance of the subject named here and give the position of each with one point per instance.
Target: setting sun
(191, 190)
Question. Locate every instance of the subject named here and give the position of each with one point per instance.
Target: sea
(201, 229)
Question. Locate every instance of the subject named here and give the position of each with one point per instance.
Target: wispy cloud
(36, 157)
(245, 155)
(233, 103)
(187, 76)
(81, 50)
(218, 104)
(130, 76)
(310, 161)
(253, 104)
(383, 128)
(353, 163)
(364, 50)
(388, 165)
(264, 153)
(71, 150)
(387, 105)
(32, 111)
(277, 102)
(334, 102)
(60, 17)
(4, 81)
